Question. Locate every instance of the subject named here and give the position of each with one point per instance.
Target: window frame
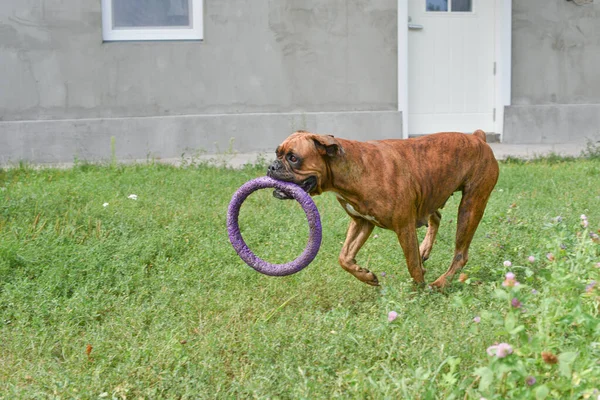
(450, 11)
(193, 32)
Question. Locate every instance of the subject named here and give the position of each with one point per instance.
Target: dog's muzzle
(277, 171)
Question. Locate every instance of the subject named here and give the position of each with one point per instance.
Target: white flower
(132, 196)
(105, 205)
(507, 263)
(583, 216)
(500, 350)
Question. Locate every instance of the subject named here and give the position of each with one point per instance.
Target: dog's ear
(327, 145)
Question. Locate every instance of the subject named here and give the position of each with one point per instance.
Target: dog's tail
(480, 134)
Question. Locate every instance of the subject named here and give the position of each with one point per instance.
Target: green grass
(170, 311)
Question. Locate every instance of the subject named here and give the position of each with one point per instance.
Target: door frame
(502, 79)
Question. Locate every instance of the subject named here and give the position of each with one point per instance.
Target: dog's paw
(373, 282)
(368, 277)
(440, 283)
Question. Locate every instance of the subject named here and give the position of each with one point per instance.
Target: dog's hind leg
(358, 233)
(470, 212)
(429, 240)
(407, 236)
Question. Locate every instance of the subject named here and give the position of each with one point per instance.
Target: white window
(449, 5)
(152, 20)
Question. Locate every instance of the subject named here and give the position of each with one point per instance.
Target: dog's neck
(344, 174)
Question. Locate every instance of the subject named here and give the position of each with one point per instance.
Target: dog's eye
(292, 158)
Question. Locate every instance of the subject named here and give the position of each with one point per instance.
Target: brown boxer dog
(395, 184)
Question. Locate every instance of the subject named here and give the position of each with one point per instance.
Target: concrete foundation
(58, 141)
(558, 123)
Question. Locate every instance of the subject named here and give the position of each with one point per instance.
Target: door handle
(415, 27)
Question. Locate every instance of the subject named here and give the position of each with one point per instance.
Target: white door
(451, 50)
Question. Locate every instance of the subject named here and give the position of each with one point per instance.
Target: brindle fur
(397, 185)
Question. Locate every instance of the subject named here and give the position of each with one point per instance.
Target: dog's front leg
(407, 236)
(358, 233)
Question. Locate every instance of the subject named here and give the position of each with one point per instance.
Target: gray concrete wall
(555, 72)
(263, 56)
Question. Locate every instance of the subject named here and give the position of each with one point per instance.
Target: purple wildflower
(590, 287)
(392, 316)
(503, 350)
(383, 274)
(533, 291)
(510, 280)
(515, 303)
(477, 319)
(531, 259)
(530, 380)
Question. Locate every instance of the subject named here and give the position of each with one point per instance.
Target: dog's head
(303, 158)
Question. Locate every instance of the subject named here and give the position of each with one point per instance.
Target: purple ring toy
(314, 224)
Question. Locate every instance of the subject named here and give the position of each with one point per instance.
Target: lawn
(107, 296)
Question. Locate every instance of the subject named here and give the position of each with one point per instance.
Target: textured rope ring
(314, 224)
